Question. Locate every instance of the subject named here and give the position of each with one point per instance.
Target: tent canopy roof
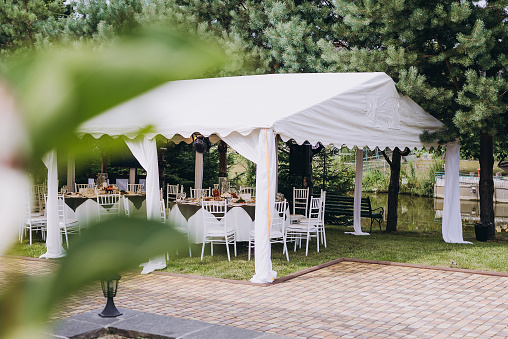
(352, 109)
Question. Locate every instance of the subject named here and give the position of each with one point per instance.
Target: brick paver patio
(347, 299)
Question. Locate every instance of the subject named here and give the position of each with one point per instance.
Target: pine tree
(21, 21)
(282, 34)
(450, 57)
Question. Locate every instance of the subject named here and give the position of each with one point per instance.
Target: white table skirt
(88, 211)
(237, 217)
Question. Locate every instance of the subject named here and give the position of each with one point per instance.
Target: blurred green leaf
(112, 246)
(62, 88)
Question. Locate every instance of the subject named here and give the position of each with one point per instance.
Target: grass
(424, 248)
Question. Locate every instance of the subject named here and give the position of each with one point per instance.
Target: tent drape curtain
(357, 218)
(145, 151)
(452, 222)
(259, 147)
(357, 206)
(54, 247)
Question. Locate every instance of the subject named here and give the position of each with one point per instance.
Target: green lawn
(424, 248)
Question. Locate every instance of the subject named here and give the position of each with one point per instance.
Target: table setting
(186, 213)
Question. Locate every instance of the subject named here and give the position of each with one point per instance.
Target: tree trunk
(486, 186)
(104, 162)
(393, 188)
(393, 192)
(223, 159)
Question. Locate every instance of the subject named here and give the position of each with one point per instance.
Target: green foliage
(483, 111)
(330, 174)
(180, 159)
(413, 181)
(449, 57)
(21, 21)
(376, 181)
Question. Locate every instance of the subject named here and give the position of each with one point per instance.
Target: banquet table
(190, 215)
(85, 209)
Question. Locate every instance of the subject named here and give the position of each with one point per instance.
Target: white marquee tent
(352, 109)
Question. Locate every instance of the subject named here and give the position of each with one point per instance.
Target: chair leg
(317, 239)
(66, 237)
(30, 230)
(307, 247)
(227, 248)
(250, 245)
(211, 247)
(203, 249)
(324, 234)
(190, 250)
(234, 244)
(285, 249)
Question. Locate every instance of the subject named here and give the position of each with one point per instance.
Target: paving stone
(155, 324)
(350, 299)
(95, 318)
(219, 331)
(75, 329)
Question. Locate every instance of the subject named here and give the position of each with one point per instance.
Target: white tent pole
(132, 175)
(71, 173)
(53, 236)
(452, 221)
(198, 171)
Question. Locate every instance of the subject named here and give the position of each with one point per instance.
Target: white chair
(199, 192)
(67, 225)
(77, 187)
(277, 230)
(163, 211)
(300, 204)
(322, 218)
(171, 193)
(32, 223)
(216, 227)
(126, 208)
(309, 229)
(108, 205)
(248, 190)
(41, 190)
(135, 188)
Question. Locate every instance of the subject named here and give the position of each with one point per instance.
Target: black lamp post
(109, 288)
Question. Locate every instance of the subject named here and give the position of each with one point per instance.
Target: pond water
(424, 214)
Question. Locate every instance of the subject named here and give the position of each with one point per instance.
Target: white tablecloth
(236, 217)
(88, 212)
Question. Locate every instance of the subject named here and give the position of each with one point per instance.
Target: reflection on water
(424, 214)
